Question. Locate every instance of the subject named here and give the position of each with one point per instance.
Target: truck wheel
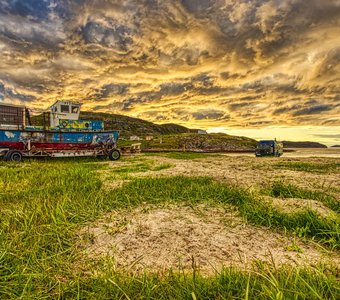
(114, 154)
(13, 155)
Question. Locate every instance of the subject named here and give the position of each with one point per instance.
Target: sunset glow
(259, 68)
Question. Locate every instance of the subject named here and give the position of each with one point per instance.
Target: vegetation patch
(297, 204)
(230, 283)
(308, 167)
(134, 168)
(194, 141)
(183, 155)
(288, 190)
(162, 166)
(294, 247)
(145, 166)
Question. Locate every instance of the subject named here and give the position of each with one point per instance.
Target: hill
(165, 136)
(214, 142)
(133, 126)
(169, 136)
(288, 144)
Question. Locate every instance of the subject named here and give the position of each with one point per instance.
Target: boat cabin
(63, 110)
(62, 115)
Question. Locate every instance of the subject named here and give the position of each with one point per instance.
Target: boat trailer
(10, 154)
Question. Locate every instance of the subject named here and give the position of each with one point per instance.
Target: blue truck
(269, 148)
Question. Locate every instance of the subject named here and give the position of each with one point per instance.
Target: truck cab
(269, 148)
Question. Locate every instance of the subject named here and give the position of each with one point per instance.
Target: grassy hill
(204, 142)
(288, 144)
(133, 126)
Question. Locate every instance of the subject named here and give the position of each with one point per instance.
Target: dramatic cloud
(200, 63)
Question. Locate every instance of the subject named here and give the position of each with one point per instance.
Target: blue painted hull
(58, 140)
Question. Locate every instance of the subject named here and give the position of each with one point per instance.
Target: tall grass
(43, 205)
(284, 283)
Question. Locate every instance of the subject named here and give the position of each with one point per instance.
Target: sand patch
(244, 171)
(182, 238)
(291, 205)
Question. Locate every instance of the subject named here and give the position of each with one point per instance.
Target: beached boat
(62, 134)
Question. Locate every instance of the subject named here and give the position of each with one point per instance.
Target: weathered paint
(81, 124)
(17, 139)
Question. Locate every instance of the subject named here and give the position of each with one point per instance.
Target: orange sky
(255, 68)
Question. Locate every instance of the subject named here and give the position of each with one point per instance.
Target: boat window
(64, 109)
(75, 109)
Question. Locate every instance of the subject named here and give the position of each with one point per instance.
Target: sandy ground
(306, 152)
(290, 205)
(182, 238)
(206, 238)
(242, 171)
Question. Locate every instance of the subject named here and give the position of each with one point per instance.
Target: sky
(259, 68)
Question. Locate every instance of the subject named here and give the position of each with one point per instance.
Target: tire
(13, 155)
(114, 154)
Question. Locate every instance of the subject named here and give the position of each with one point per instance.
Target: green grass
(288, 190)
(134, 168)
(44, 204)
(284, 283)
(163, 166)
(182, 155)
(198, 141)
(294, 247)
(144, 166)
(308, 167)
